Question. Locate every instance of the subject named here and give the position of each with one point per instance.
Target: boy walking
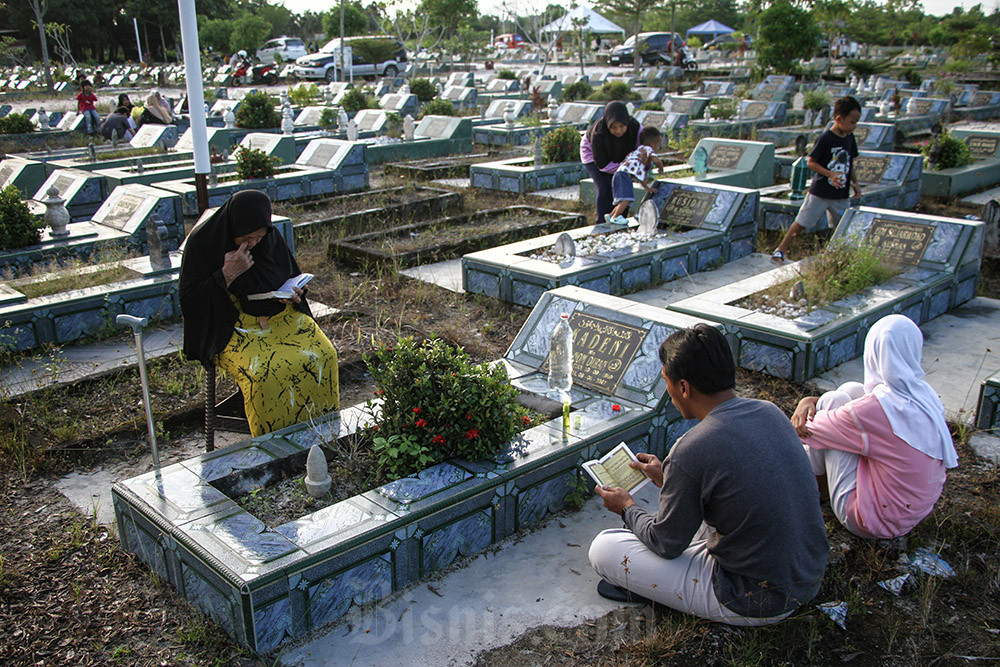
(832, 161)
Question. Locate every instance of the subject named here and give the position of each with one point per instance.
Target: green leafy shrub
(865, 68)
(561, 145)
(951, 152)
(580, 90)
(614, 91)
(16, 123)
(531, 120)
(255, 163)
(257, 112)
(439, 107)
(375, 50)
(437, 404)
(393, 125)
(694, 42)
(302, 94)
(506, 74)
(912, 77)
(723, 108)
(816, 100)
(356, 99)
(328, 118)
(423, 89)
(18, 227)
(652, 106)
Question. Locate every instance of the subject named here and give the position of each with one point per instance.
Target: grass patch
(77, 280)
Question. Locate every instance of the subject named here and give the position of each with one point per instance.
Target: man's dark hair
(122, 110)
(701, 356)
(845, 105)
(649, 133)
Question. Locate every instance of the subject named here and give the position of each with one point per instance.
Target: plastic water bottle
(561, 356)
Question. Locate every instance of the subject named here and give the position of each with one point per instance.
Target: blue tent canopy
(713, 28)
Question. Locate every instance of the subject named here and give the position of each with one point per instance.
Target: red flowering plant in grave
(433, 403)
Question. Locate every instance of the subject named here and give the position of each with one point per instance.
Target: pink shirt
(897, 485)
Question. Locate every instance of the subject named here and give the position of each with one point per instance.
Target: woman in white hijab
(881, 448)
(157, 111)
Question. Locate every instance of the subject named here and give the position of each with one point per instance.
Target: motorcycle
(247, 72)
(684, 59)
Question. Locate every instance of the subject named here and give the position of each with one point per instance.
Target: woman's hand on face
(803, 414)
(236, 263)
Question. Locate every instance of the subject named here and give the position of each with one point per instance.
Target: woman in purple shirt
(606, 143)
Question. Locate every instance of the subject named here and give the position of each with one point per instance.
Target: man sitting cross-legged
(738, 536)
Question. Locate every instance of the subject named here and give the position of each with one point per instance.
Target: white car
(289, 48)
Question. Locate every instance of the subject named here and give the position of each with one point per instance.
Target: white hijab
(893, 349)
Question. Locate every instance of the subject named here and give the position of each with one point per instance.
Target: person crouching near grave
(738, 536)
(637, 165)
(86, 104)
(879, 450)
(607, 142)
(832, 162)
(284, 364)
(118, 122)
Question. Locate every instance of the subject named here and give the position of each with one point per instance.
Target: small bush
(393, 125)
(302, 94)
(912, 77)
(865, 68)
(439, 107)
(951, 152)
(531, 120)
(255, 163)
(694, 42)
(652, 106)
(356, 99)
(257, 112)
(423, 89)
(614, 91)
(561, 145)
(723, 108)
(16, 123)
(817, 100)
(18, 227)
(328, 118)
(580, 90)
(506, 74)
(437, 404)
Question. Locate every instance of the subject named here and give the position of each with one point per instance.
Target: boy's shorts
(621, 187)
(811, 213)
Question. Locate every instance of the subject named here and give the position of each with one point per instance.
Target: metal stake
(137, 325)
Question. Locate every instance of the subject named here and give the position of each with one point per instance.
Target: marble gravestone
(150, 135)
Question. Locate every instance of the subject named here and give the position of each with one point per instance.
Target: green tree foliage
(633, 10)
(356, 99)
(18, 227)
(257, 112)
(250, 31)
(423, 89)
(439, 107)
(448, 13)
(355, 21)
(215, 33)
(786, 34)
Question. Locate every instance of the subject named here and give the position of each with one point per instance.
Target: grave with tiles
(461, 97)
(152, 134)
(508, 130)
(433, 136)
(436, 168)
(982, 173)
(401, 103)
(751, 115)
(694, 107)
(26, 175)
(267, 584)
(668, 123)
(698, 226)
(988, 406)
(888, 180)
(977, 105)
(939, 259)
(120, 222)
(84, 192)
(717, 89)
(918, 116)
(325, 166)
(579, 115)
(649, 94)
(523, 174)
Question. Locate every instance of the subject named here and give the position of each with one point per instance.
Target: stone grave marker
(687, 207)
(218, 138)
(725, 156)
(870, 169)
(276, 145)
(151, 134)
(84, 191)
(371, 120)
(578, 114)
(497, 108)
(400, 103)
(694, 107)
(26, 175)
(983, 145)
(565, 245)
(309, 116)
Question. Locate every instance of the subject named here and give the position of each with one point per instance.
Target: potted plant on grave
(946, 152)
(433, 404)
(561, 145)
(254, 163)
(257, 112)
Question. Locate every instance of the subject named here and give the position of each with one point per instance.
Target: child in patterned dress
(637, 165)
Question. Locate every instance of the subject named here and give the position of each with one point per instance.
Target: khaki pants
(683, 583)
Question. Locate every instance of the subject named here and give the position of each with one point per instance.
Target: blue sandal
(778, 257)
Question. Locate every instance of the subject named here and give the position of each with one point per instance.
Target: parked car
(654, 48)
(370, 56)
(509, 41)
(725, 39)
(289, 48)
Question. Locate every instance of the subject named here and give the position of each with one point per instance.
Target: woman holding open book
(234, 265)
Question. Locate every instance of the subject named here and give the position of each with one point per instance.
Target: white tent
(595, 23)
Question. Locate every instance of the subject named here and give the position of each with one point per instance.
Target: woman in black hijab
(607, 141)
(283, 363)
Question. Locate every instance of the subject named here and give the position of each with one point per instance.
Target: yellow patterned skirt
(288, 372)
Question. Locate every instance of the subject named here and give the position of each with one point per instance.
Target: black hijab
(606, 146)
(209, 313)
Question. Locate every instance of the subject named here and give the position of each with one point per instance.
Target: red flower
(472, 434)
(468, 415)
(375, 427)
(616, 408)
(526, 419)
(379, 392)
(417, 411)
(421, 423)
(438, 440)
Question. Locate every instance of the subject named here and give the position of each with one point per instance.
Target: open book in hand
(285, 291)
(613, 469)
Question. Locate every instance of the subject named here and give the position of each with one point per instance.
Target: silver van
(289, 48)
(371, 56)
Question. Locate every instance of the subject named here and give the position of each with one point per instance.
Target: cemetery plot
(372, 209)
(984, 172)
(428, 170)
(265, 585)
(450, 237)
(521, 175)
(937, 262)
(698, 226)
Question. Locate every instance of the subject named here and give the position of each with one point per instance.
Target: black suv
(654, 48)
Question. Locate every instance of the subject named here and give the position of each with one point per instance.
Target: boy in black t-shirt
(832, 160)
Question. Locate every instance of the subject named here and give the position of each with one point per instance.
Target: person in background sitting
(86, 104)
(117, 122)
(157, 111)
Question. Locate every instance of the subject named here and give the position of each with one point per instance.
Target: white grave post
(43, 119)
(408, 128)
(352, 130)
(56, 215)
(342, 119)
(798, 101)
(230, 119)
(508, 115)
(287, 126)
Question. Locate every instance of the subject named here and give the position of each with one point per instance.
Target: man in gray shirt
(739, 536)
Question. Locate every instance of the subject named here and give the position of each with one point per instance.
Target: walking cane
(137, 324)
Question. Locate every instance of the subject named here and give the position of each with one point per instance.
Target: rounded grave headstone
(565, 245)
(648, 218)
